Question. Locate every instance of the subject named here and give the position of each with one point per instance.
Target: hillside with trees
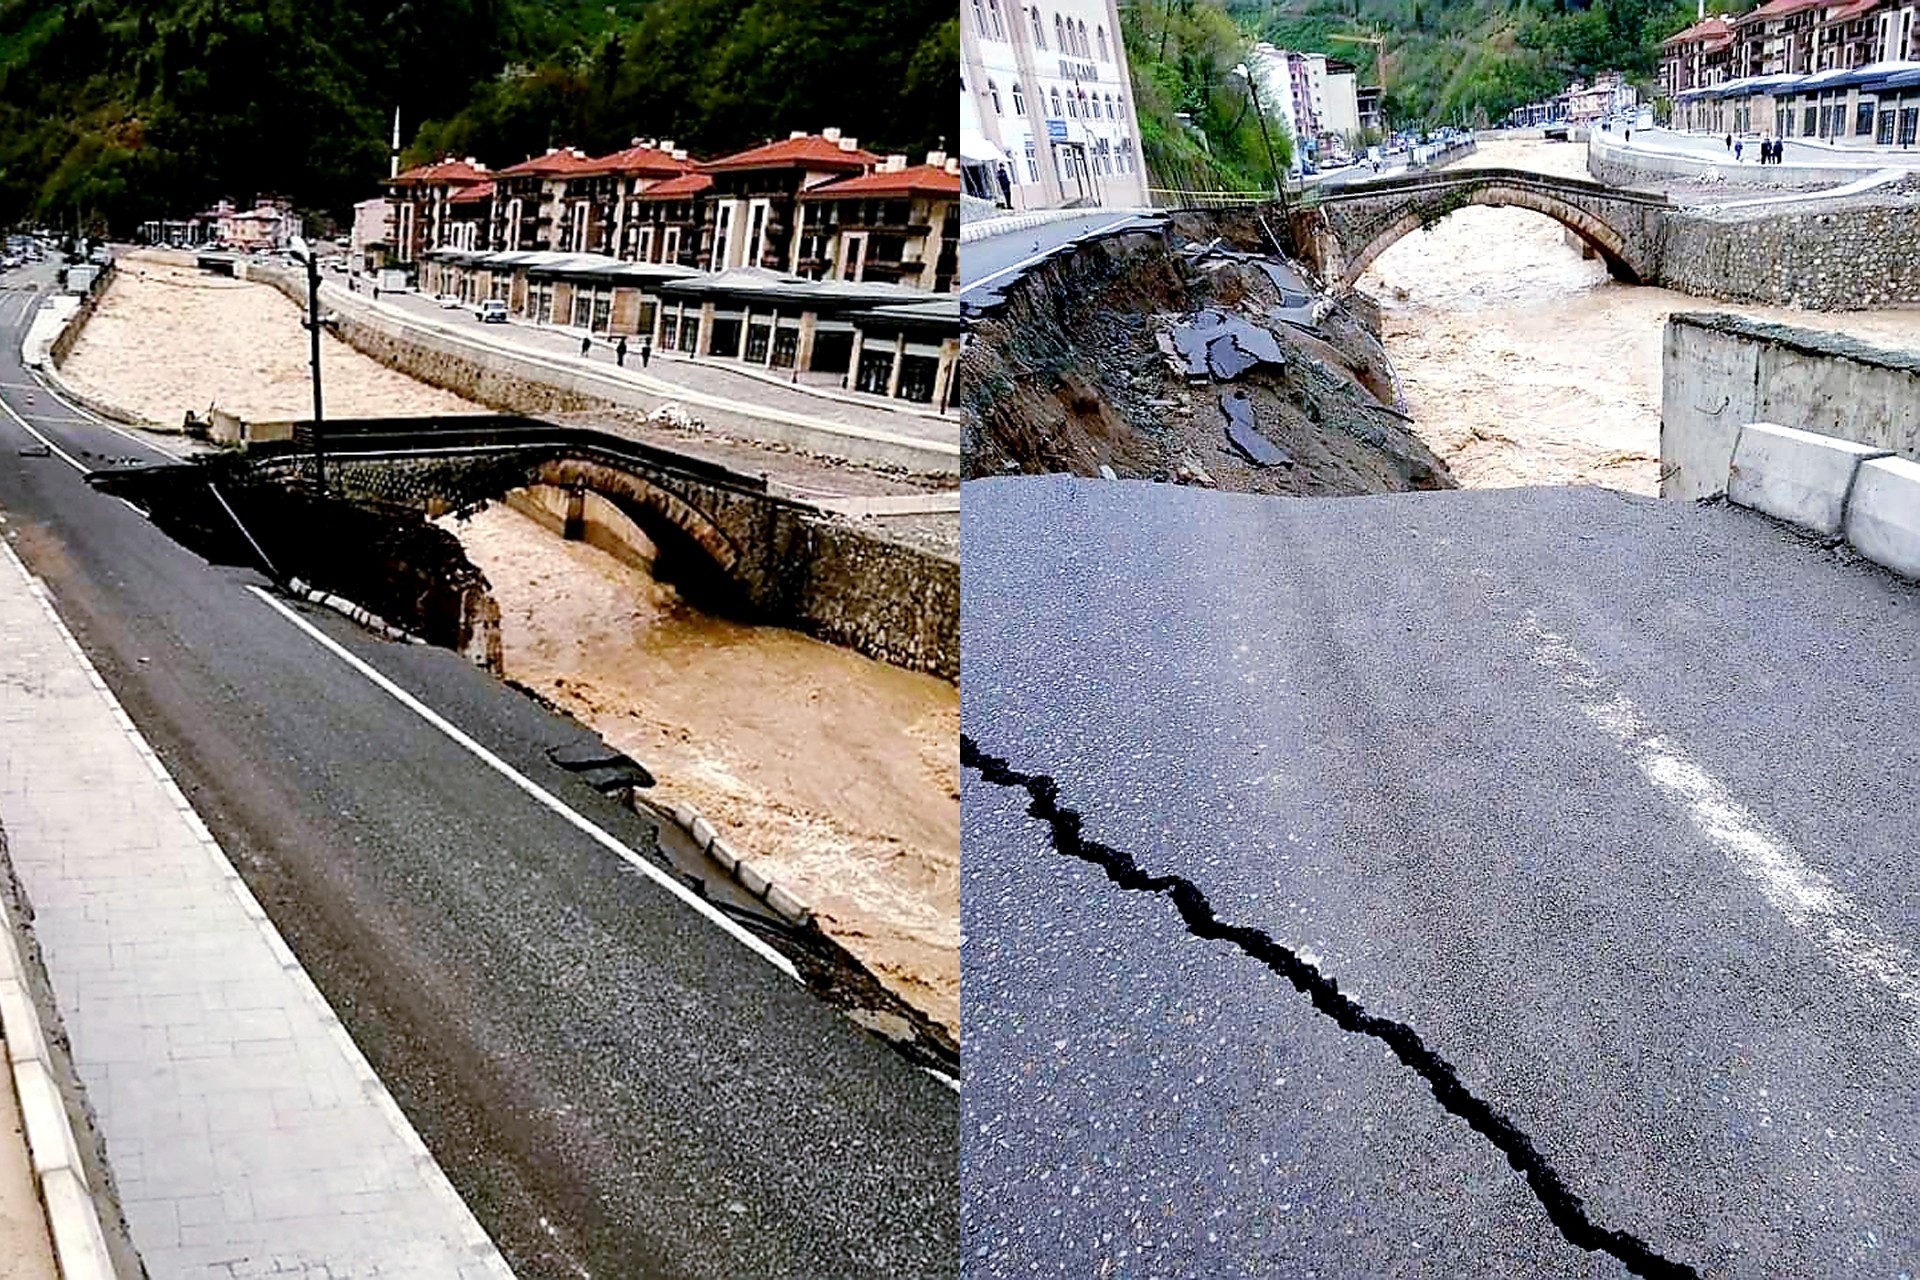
(1464, 62)
(112, 111)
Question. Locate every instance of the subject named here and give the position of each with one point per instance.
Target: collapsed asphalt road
(1483, 883)
(615, 1085)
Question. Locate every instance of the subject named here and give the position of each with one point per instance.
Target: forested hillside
(1448, 62)
(116, 110)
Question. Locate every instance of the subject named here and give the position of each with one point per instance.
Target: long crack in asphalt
(1564, 1209)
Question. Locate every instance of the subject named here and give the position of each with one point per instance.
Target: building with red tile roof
(900, 224)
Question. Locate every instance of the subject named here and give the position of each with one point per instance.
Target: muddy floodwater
(836, 775)
(1524, 363)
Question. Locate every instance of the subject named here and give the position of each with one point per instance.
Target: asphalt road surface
(1484, 883)
(617, 1087)
(993, 261)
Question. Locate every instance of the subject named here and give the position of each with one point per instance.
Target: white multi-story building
(1047, 115)
(1275, 69)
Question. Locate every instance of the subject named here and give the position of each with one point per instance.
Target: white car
(493, 311)
(449, 301)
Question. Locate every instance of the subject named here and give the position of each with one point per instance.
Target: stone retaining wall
(1836, 260)
(57, 353)
(882, 598)
(1720, 372)
(1612, 163)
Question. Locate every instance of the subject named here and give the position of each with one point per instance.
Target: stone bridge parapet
(726, 542)
(1342, 231)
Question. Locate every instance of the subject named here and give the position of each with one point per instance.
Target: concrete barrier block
(1883, 515)
(703, 833)
(723, 853)
(1797, 476)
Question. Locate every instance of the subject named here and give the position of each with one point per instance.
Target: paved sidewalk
(246, 1134)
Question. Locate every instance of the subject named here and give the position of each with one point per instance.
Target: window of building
(1909, 122)
(1863, 118)
(1810, 122)
(1086, 50)
(1019, 100)
(999, 27)
(1110, 112)
(1060, 35)
(1057, 112)
(1100, 34)
(1884, 134)
(1033, 169)
(980, 19)
(1039, 32)
(1073, 110)
(993, 96)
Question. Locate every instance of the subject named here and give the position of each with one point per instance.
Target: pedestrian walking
(1736, 151)
(1729, 142)
(1629, 135)
(1006, 187)
(646, 351)
(620, 352)
(586, 346)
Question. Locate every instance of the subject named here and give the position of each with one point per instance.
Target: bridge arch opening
(1606, 243)
(644, 525)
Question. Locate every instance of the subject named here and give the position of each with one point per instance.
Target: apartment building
(1047, 118)
(418, 201)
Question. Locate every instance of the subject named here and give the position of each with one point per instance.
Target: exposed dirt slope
(1151, 352)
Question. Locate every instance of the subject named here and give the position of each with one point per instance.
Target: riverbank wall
(524, 381)
(1721, 372)
(1609, 160)
(1839, 258)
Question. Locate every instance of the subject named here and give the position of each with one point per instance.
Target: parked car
(493, 311)
(448, 300)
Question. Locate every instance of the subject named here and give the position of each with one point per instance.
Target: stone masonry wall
(1720, 372)
(1838, 260)
(882, 598)
(826, 577)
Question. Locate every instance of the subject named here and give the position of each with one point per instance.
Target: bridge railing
(1181, 198)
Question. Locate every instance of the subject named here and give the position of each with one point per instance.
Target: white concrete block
(49, 1133)
(21, 1024)
(1797, 476)
(1883, 516)
(787, 905)
(723, 853)
(752, 881)
(703, 833)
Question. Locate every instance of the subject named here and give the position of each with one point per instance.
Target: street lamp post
(303, 254)
(1273, 165)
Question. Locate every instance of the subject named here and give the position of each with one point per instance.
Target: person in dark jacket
(620, 353)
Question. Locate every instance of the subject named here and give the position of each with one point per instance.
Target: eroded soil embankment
(1194, 354)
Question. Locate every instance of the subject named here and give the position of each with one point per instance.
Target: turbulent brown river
(1524, 363)
(837, 775)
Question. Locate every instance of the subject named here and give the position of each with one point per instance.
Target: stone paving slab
(246, 1133)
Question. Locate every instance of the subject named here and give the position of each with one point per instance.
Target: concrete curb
(73, 1220)
(348, 609)
(987, 228)
(65, 390)
(784, 904)
(1832, 487)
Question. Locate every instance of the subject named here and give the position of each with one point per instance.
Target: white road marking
(58, 452)
(534, 789)
(1027, 262)
(88, 416)
(1817, 908)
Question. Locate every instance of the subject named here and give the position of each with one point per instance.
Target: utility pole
(303, 253)
(1273, 165)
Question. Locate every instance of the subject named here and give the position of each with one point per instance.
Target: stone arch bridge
(1343, 229)
(723, 537)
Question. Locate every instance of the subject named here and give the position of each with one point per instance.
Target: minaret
(393, 153)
